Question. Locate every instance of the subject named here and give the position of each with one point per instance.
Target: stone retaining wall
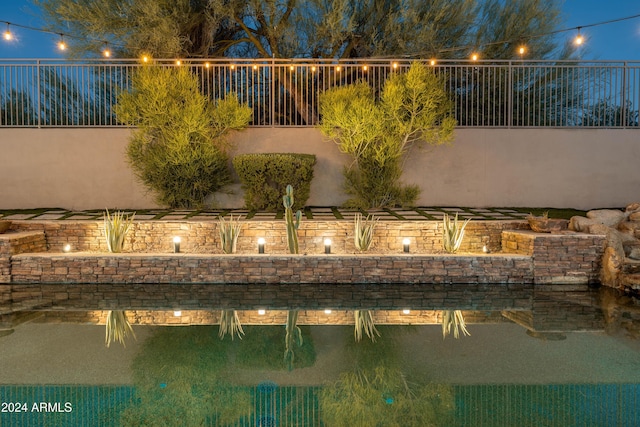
(203, 236)
(195, 268)
(559, 257)
(16, 243)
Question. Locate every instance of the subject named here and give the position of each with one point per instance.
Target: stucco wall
(578, 168)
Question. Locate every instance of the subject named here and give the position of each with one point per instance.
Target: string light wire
(452, 49)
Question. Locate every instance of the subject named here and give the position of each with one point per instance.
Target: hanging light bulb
(105, 51)
(432, 62)
(579, 38)
(522, 50)
(61, 44)
(474, 56)
(145, 58)
(7, 34)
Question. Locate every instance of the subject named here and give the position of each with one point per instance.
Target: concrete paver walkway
(317, 213)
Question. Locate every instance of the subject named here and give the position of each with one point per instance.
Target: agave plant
(229, 232)
(456, 319)
(364, 322)
(117, 327)
(452, 233)
(363, 236)
(292, 338)
(116, 227)
(230, 324)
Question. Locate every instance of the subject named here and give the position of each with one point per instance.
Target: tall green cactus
(293, 221)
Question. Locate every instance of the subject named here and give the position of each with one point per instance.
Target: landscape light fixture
(327, 246)
(176, 244)
(67, 248)
(405, 245)
(261, 242)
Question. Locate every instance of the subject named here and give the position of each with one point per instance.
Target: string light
(395, 65)
(474, 57)
(61, 44)
(145, 58)
(579, 39)
(365, 68)
(7, 34)
(207, 65)
(106, 52)
(522, 50)
(432, 62)
(178, 62)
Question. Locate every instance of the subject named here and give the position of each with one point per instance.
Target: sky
(614, 41)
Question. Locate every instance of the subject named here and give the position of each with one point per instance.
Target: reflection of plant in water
(117, 327)
(453, 318)
(364, 322)
(383, 396)
(292, 338)
(178, 376)
(230, 324)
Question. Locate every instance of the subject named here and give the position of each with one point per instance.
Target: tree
(377, 134)
(338, 29)
(178, 148)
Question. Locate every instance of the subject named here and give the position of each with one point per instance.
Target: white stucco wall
(578, 168)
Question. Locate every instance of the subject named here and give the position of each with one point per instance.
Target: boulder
(611, 263)
(634, 216)
(631, 228)
(608, 217)
(581, 224)
(633, 207)
(634, 253)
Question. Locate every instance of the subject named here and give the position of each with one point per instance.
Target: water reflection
(534, 356)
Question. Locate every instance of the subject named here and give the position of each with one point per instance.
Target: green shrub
(378, 130)
(265, 177)
(178, 147)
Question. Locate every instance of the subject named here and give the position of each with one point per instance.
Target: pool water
(569, 358)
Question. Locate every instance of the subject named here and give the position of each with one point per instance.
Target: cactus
(293, 220)
(292, 338)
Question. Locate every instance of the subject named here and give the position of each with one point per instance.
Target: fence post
(623, 101)
(510, 97)
(272, 91)
(39, 107)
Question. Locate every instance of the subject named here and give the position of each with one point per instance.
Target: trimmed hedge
(265, 176)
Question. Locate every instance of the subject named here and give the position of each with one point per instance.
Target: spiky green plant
(117, 327)
(363, 236)
(292, 338)
(230, 324)
(116, 227)
(453, 318)
(293, 221)
(364, 323)
(452, 233)
(229, 232)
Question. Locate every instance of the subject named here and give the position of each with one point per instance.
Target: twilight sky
(615, 41)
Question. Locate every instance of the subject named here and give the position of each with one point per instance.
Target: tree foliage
(307, 28)
(178, 148)
(413, 107)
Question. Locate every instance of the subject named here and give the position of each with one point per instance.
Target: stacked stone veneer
(200, 268)
(203, 236)
(15, 243)
(559, 258)
(526, 257)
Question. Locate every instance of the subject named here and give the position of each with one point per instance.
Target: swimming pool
(553, 356)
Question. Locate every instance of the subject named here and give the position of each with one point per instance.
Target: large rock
(634, 216)
(634, 253)
(611, 264)
(581, 224)
(632, 228)
(632, 207)
(608, 217)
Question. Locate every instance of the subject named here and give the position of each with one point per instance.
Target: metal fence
(503, 94)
